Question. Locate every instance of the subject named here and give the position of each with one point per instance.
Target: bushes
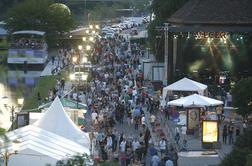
(2, 131)
(241, 154)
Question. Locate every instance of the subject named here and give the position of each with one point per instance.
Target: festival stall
(195, 107)
(184, 85)
(53, 137)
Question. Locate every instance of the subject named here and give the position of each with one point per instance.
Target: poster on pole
(192, 119)
(210, 131)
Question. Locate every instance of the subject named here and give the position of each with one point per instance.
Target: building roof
(216, 13)
(32, 32)
(58, 122)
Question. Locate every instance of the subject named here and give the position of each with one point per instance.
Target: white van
(80, 72)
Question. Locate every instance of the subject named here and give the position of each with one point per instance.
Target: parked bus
(28, 47)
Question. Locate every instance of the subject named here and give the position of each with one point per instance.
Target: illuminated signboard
(211, 35)
(210, 131)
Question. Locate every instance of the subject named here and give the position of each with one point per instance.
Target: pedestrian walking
(230, 135)
(224, 134)
(155, 160)
(237, 131)
(177, 138)
(162, 146)
(244, 126)
(174, 156)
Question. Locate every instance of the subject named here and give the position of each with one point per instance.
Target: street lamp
(84, 39)
(80, 47)
(20, 102)
(88, 47)
(97, 27)
(93, 31)
(91, 38)
(87, 31)
(91, 26)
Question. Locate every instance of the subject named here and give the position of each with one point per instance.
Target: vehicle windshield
(79, 69)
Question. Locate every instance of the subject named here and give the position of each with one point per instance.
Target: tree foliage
(5, 4)
(242, 96)
(162, 9)
(241, 150)
(103, 12)
(78, 160)
(42, 15)
(2, 131)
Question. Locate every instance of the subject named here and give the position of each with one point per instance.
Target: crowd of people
(117, 101)
(28, 43)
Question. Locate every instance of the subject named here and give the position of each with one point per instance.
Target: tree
(242, 97)
(241, 150)
(54, 19)
(78, 160)
(103, 12)
(4, 5)
(162, 9)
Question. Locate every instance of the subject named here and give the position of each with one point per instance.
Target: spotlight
(208, 40)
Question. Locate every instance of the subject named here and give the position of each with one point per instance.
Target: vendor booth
(195, 109)
(52, 138)
(184, 85)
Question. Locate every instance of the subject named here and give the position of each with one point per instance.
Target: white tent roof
(42, 141)
(195, 100)
(186, 84)
(58, 122)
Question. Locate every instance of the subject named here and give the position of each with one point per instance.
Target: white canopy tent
(53, 137)
(195, 100)
(58, 122)
(185, 84)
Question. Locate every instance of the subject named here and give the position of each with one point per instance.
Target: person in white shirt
(169, 162)
(94, 115)
(135, 145)
(123, 146)
(109, 143)
(143, 120)
(162, 146)
(152, 120)
(155, 160)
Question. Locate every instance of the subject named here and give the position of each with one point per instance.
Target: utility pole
(166, 53)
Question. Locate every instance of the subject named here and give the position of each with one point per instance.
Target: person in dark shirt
(224, 134)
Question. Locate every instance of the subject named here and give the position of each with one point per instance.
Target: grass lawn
(3, 56)
(44, 84)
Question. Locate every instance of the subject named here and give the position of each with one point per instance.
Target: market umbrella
(195, 100)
